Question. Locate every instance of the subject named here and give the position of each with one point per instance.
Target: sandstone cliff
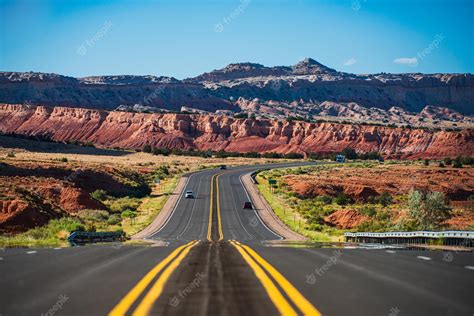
(203, 132)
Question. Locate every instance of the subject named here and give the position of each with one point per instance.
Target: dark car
(223, 167)
(248, 206)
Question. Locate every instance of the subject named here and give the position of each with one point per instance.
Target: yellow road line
(147, 303)
(300, 301)
(209, 227)
(275, 295)
(123, 306)
(219, 224)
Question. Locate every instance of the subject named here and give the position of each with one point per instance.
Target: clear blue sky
(186, 38)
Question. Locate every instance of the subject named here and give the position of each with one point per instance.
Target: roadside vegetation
(128, 188)
(324, 211)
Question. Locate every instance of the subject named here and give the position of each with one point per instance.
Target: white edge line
(255, 211)
(423, 258)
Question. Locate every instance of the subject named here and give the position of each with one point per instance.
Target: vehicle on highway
(340, 158)
(223, 167)
(189, 195)
(248, 206)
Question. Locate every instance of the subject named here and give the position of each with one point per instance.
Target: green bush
(368, 210)
(54, 227)
(325, 199)
(128, 214)
(99, 195)
(342, 199)
(124, 204)
(457, 162)
(93, 215)
(114, 219)
(147, 149)
(428, 210)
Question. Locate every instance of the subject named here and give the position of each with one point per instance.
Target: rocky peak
(309, 66)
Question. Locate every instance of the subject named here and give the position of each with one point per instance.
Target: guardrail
(450, 237)
(81, 237)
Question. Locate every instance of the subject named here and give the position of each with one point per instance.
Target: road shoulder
(266, 213)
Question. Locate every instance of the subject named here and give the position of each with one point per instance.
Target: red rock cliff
(134, 130)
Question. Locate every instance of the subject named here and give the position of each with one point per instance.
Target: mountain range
(307, 89)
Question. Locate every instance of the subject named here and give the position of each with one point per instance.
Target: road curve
(215, 264)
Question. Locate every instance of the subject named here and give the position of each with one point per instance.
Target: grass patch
(290, 216)
(150, 207)
(55, 233)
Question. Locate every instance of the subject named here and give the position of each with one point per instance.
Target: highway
(214, 263)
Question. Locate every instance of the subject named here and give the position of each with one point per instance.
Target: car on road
(189, 195)
(223, 167)
(248, 205)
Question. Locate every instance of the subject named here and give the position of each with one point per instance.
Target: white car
(189, 195)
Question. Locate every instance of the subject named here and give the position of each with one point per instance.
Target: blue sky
(186, 38)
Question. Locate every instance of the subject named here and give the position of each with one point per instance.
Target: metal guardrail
(415, 234)
(81, 237)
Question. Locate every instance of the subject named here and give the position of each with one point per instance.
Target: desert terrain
(368, 196)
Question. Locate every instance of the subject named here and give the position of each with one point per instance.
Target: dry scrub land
(51, 189)
(326, 200)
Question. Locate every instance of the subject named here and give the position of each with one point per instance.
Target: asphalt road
(216, 264)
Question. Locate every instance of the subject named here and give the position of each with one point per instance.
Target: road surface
(216, 264)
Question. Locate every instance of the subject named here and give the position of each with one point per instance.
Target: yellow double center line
(218, 209)
(264, 270)
(168, 265)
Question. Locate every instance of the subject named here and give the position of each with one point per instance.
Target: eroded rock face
(345, 219)
(204, 132)
(307, 80)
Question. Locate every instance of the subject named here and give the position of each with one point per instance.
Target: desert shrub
(428, 210)
(99, 195)
(147, 149)
(448, 161)
(162, 172)
(350, 153)
(124, 204)
(63, 159)
(161, 151)
(11, 154)
(325, 199)
(441, 164)
(293, 156)
(368, 210)
(93, 215)
(90, 227)
(271, 155)
(342, 199)
(467, 161)
(114, 219)
(426, 162)
(54, 228)
(385, 199)
(457, 162)
(128, 214)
